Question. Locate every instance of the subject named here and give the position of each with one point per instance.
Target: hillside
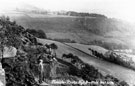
(30, 61)
(87, 30)
(104, 67)
(123, 59)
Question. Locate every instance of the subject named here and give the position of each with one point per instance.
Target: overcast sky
(122, 9)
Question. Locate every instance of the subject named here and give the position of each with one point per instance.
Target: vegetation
(66, 13)
(65, 40)
(109, 46)
(16, 71)
(88, 72)
(37, 33)
(54, 47)
(72, 13)
(115, 58)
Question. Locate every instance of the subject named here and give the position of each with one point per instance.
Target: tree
(70, 55)
(41, 34)
(2, 40)
(37, 33)
(54, 47)
(123, 83)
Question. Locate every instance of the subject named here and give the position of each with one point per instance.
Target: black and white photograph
(67, 42)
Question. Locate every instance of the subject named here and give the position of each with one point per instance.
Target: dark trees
(37, 33)
(54, 47)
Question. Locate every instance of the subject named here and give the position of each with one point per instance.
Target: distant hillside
(105, 26)
(26, 8)
(84, 30)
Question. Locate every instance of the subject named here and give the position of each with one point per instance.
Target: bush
(114, 58)
(109, 46)
(65, 40)
(37, 33)
(123, 83)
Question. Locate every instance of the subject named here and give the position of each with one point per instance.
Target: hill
(107, 32)
(104, 67)
(30, 58)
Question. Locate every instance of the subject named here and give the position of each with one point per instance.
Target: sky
(121, 9)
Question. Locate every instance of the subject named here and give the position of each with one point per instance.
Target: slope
(73, 28)
(121, 73)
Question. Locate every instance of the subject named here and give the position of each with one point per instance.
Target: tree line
(115, 58)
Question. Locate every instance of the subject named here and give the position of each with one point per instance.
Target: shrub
(65, 40)
(109, 46)
(37, 33)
